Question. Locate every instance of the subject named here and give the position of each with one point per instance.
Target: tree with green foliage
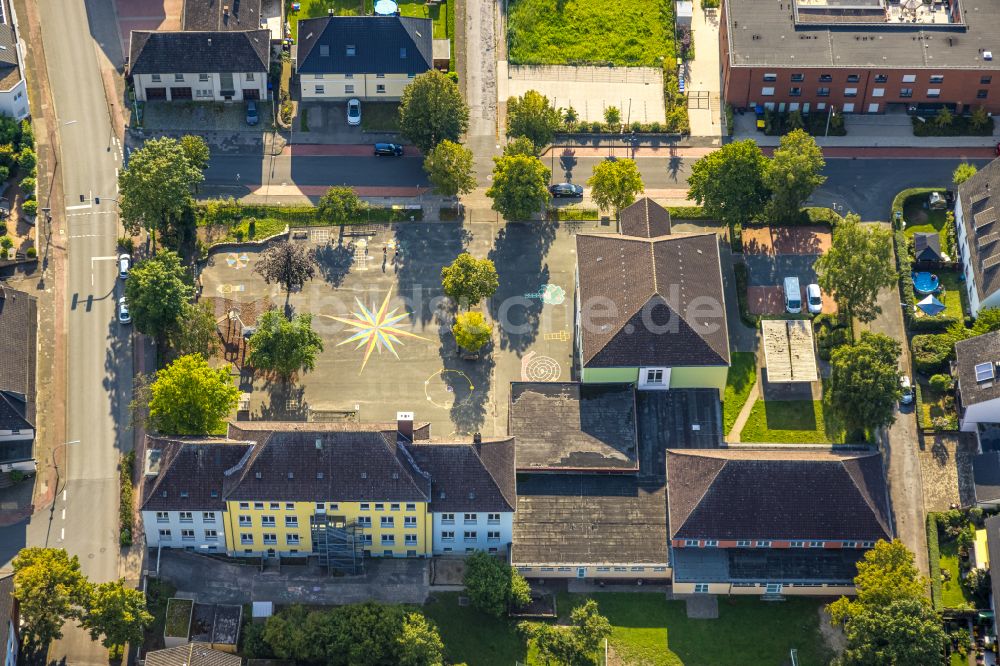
(190, 398)
(197, 332)
(858, 264)
(980, 118)
(157, 293)
(50, 589)
(520, 145)
(432, 110)
(580, 644)
(287, 264)
(419, 643)
(340, 204)
(284, 346)
(615, 184)
(864, 382)
(962, 173)
(590, 627)
(532, 116)
(155, 188)
(27, 160)
(520, 186)
(449, 169)
(729, 182)
(468, 280)
(196, 151)
(471, 331)
(944, 118)
(493, 585)
(554, 643)
(612, 118)
(118, 613)
(793, 174)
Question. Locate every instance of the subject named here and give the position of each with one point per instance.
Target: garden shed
(789, 351)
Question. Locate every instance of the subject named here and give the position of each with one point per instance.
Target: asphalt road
(76, 37)
(326, 171)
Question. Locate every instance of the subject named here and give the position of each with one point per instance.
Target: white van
(793, 295)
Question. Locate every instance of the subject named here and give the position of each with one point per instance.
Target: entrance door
(226, 87)
(156, 94)
(251, 93)
(581, 572)
(181, 93)
(773, 588)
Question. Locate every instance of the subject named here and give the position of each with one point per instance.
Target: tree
(613, 117)
(980, 118)
(190, 398)
(432, 110)
(793, 173)
(340, 204)
(520, 145)
(471, 331)
(286, 264)
(532, 116)
(615, 184)
(729, 182)
(119, 613)
(155, 188)
(196, 151)
(199, 333)
(284, 346)
(365, 634)
(944, 117)
(579, 644)
(157, 294)
(50, 589)
(491, 584)
(449, 168)
(858, 264)
(468, 280)
(519, 186)
(963, 172)
(554, 643)
(419, 643)
(864, 381)
(590, 627)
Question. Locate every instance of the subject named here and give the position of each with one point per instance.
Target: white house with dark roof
(13, 87)
(976, 369)
(367, 57)
(211, 66)
(18, 333)
(977, 223)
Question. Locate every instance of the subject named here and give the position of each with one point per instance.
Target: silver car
(353, 112)
(123, 316)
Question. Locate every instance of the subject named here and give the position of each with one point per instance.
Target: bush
(687, 212)
(931, 353)
(948, 124)
(30, 207)
(31, 252)
(26, 160)
(125, 504)
(6, 243)
(126, 244)
(742, 281)
(829, 339)
(941, 383)
(934, 560)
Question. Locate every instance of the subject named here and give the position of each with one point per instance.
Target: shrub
(6, 243)
(597, 127)
(931, 353)
(126, 244)
(28, 187)
(612, 116)
(828, 340)
(125, 504)
(655, 126)
(31, 252)
(934, 560)
(637, 127)
(30, 207)
(26, 160)
(742, 281)
(941, 383)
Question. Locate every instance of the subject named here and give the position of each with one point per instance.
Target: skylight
(984, 372)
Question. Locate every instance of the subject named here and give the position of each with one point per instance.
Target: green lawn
(919, 218)
(558, 32)
(473, 637)
(741, 378)
(952, 295)
(933, 405)
(380, 117)
(790, 422)
(952, 593)
(316, 8)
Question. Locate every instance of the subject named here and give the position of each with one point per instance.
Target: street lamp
(56, 466)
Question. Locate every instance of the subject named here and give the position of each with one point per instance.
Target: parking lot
(774, 253)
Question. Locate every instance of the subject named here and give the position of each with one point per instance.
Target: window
(796, 78)
(815, 544)
(246, 539)
(387, 521)
(267, 521)
(933, 92)
(599, 569)
(211, 535)
(273, 506)
(351, 50)
(270, 539)
(411, 76)
(387, 553)
(825, 78)
(380, 507)
(848, 107)
(402, 52)
(867, 544)
(853, 78)
(985, 80)
(388, 540)
(493, 518)
(184, 493)
(654, 376)
(767, 92)
(638, 568)
(291, 539)
(795, 92)
(380, 76)
(906, 92)
(289, 506)
(743, 544)
(334, 506)
(410, 522)
(701, 588)
(620, 569)
(380, 88)
(850, 544)
(291, 521)
(850, 92)
(320, 90)
(797, 544)
(321, 507)
(690, 542)
(367, 539)
(259, 506)
(245, 521)
(187, 535)
(470, 518)
(410, 506)
(365, 507)
(878, 92)
(393, 507)
(165, 535)
(410, 540)
(711, 543)
(493, 536)
(763, 544)
(447, 536)
(156, 78)
(186, 517)
(203, 77)
(937, 78)
(822, 92)
(447, 519)
(770, 77)
(365, 521)
(981, 94)
(909, 78)
(659, 569)
(208, 516)
(250, 76)
(471, 535)
(162, 517)
(178, 78)
(324, 50)
(548, 568)
(881, 78)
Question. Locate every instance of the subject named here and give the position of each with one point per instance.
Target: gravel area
(946, 470)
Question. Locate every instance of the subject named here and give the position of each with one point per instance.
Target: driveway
(209, 580)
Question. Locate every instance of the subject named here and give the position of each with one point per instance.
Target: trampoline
(925, 283)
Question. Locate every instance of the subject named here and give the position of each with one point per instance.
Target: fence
(587, 74)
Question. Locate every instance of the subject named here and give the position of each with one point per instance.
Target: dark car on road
(390, 149)
(566, 190)
(252, 117)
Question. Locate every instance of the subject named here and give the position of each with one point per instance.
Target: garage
(251, 93)
(156, 93)
(181, 93)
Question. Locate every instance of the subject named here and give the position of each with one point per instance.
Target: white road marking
(64, 494)
(62, 533)
(89, 236)
(79, 207)
(64, 514)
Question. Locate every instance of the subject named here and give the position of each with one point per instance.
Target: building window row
(188, 535)
(799, 77)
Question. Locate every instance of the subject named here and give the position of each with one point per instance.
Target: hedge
(931, 353)
(900, 199)
(126, 509)
(742, 281)
(934, 560)
(687, 212)
(918, 406)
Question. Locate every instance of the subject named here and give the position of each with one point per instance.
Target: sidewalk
(705, 109)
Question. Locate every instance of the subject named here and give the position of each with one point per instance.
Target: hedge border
(742, 281)
(934, 560)
(126, 505)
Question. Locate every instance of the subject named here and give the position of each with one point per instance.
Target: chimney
(209, 41)
(225, 10)
(404, 425)
(477, 438)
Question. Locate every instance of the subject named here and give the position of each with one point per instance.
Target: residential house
(789, 521)
(19, 325)
(192, 654)
(826, 56)
(986, 479)
(13, 87)
(367, 57)
(591, 499)
(978, 233)
(992, 527)
(650, 306)
(977, 385)
(927, 247)
(10, 626)
(204, 66)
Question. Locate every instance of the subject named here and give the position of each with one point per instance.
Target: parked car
(570, 190)
(793, 295)
(353, 111)
(814, 299)
(252, 117)
(124, 264)
(123, 315)
(907, 388)
(389, 149)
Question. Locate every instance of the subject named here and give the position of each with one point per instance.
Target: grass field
(559, 32)
(921, 219)
(380, 117)
(417, 8)
(789, 422)
(741, 378)
(953, 595)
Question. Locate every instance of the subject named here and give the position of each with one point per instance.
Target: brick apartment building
(861, 56)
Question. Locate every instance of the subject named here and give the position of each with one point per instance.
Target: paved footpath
(829, 152)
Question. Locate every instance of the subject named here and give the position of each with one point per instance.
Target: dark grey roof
(13, 408)
(572, 426)
(733, 494)
(192, 654)
(382, 45)
(765, 565)
(979, 198)
(167, 52)
(10, 71)
(986, 474)
(645, 219)
(589, 519)
(18, 332)
(927, 246)
(190, 473)
(667, 295)
(968, 354)
(469, 477)
(216, 624)
(222, 15)
(764, 33)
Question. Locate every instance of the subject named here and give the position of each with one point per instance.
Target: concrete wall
(204, 87)
(982, 412)
(373, 87)
(594, 571)
(610, 375)
(14, 102)
(699, 377)
(152, 526)
(482, 526)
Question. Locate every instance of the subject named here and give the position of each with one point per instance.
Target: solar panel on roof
(988, 238)
(990, 262)
(984, 372)
(984, 217)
